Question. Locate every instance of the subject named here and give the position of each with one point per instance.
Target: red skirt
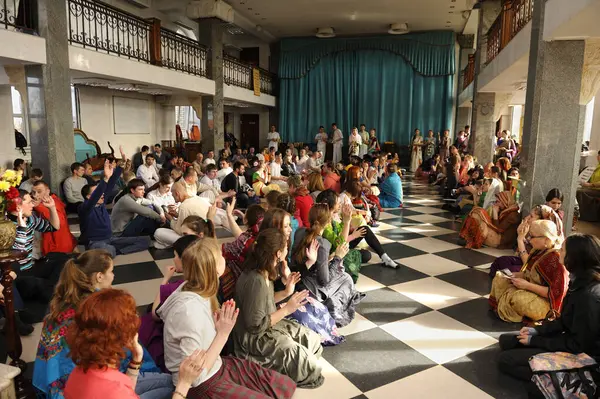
(242, 379)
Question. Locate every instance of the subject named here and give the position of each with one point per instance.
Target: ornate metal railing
(99, 26)
(236, 73)
(469, 72)
(182, 53)
(522, 12)
(17, 15)
(493, 39)
(267, 80)
(514, 16)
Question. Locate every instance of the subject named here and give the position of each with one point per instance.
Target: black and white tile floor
(423, 330)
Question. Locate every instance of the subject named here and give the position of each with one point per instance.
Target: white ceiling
(285, 18)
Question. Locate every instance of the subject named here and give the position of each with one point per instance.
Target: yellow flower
(17, 182)
(4, 186)
(9, 174)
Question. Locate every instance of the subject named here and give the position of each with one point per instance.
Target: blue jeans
(122, 245)
(154, 386)
(140, 226)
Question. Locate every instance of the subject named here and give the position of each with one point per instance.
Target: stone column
(49, 98)
(483, 103)
(554, 131)
(483, 126)
(218, 137)
(213, 134)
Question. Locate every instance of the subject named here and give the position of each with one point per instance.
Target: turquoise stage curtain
(392, 84)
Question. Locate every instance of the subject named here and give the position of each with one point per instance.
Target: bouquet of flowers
(9, 194)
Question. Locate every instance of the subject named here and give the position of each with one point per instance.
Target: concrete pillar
(218, 136)
(483, 126)
(483, 103)
(554, 132)
(49, 98)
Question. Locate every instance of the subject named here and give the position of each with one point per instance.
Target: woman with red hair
(105, 326)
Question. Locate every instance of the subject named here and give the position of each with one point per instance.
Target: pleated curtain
(394, 84)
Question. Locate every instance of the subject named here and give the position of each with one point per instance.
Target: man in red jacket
(303, 199)
(58, 241)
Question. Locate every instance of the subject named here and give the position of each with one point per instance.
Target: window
(75, 107)
(185, 117)
(589, 118)
(19, 120)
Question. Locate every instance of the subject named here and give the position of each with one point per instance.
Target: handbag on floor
(561, 375)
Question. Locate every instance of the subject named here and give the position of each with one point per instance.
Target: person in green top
(594, 181)
(339, 232)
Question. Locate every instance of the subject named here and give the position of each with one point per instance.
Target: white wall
(96, 111)
(23, 47)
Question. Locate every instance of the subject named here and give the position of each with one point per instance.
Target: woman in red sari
(498, 230)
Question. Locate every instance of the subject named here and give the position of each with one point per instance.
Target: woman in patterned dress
(417, 151)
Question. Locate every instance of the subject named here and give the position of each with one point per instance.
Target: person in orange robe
(58, 241)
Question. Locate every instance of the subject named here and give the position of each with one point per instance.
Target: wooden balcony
(514, 16)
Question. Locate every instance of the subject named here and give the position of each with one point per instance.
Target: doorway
(250, 55)
(249, 131)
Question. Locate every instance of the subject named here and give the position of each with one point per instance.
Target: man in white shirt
(190, 206)
(311, 164)
(210, 177)
(321, 139)
(274, 138)
(338, 142)
(224, 171)
(301, 162)
(147, 171)
(210, 158)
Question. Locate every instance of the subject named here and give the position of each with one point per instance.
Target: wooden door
(249, 131)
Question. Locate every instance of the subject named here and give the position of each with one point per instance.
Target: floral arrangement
(9, 194)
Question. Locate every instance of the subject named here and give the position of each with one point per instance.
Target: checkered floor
(423, 330)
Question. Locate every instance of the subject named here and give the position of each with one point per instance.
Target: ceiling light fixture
(398, 29)
(325, 33)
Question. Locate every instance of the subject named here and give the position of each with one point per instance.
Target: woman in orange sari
(538, 290)
(498, 230)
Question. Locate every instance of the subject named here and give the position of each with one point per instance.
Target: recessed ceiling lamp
(324, 33)
(398, 29)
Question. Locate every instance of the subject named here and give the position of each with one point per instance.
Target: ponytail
(76, 280)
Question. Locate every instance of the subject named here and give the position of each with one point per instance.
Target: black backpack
(21, 141)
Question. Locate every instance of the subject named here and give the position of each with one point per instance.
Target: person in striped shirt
(27, 223)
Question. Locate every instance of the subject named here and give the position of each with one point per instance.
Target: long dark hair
(554, 193)
(318, 216)
(582, 256)
(262, 255)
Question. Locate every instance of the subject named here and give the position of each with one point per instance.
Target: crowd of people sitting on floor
(290, 276)
(249, 318)
(551, 285)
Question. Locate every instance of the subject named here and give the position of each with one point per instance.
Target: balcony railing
(101, 27)
(514, 16)
(182, 53)
(18, 16)
(469, 72)
(236, 73)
